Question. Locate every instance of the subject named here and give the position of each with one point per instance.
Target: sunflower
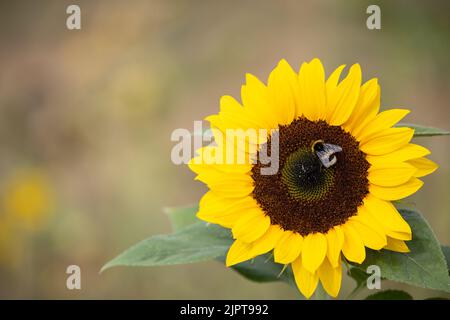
(341, 164)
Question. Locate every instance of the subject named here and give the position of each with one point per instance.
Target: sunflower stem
(320, 293)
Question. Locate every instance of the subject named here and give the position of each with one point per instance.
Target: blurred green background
(86, 118)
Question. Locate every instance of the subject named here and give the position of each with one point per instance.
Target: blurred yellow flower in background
(26, 205)
(10, 245)
(27, 198)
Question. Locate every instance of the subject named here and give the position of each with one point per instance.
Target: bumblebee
(325, 152)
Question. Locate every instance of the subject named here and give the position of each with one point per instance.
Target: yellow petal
(232, 115)
(268, 241)
(330, 277)
(224, 211)
(333, 80)
(399, 235)
(311, 81)
(365, 217)
(407, 152)
(386, 228)
(366, 108)
(238, 252)
(233, 185)
(344, 98)
(213, 158)
(314, 251)
(391, 175)
(223, 167)
(370, 237)
(240, 145)
(335, 241)
(256, 101)
(241, 251)
(251, 226)
(387, 141)
(232, 109)
(232, 188)
(386, 214)
(305, 280)
(288, 248)
(353, 248)
(396, 245)
(425, 166)
(382, 121)
(398, 192)
(282, 87)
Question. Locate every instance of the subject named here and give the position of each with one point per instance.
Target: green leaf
(424, 266)
(259, 269)
(194, 243)
(181, 217)
(423, 131)
(360, 277)
(390, 295)
(446, 252)
(263, 269)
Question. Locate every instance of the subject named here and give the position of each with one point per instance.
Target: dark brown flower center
(305, 196)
